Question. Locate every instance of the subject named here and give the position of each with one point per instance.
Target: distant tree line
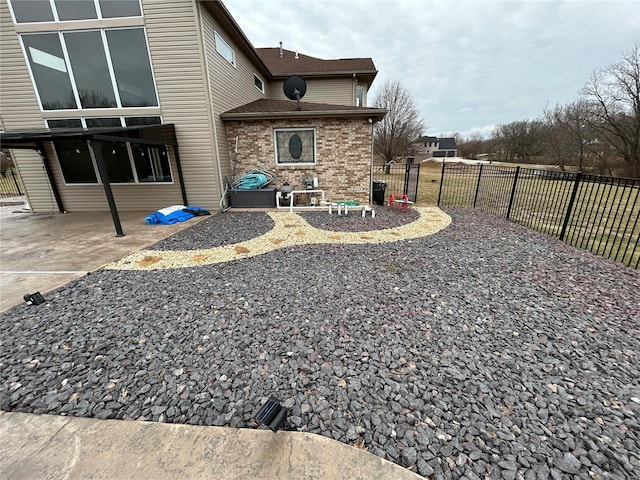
(598, 132)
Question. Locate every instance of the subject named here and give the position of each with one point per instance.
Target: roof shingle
(304, 64)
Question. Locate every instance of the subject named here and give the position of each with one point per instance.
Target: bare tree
(402, 124)
(521, 140)
(613, 94)
(569, 134)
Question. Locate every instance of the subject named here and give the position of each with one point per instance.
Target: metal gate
(398, 178)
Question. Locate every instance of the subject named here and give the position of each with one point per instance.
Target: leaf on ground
(395, 233)
(290, 225)
(335, 237)
(199, 258)
(300, 233)
(342, 383)
(241, 249)
(276, 240)
(366, 237)
(359, 443)
(149, 260)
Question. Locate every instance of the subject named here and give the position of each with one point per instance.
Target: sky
(469, 65)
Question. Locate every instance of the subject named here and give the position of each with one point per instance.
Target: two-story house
(428, 147)
(148, 102)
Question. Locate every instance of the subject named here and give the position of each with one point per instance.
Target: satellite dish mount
(294, 88)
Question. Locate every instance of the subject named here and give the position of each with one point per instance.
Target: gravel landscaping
(484, 351)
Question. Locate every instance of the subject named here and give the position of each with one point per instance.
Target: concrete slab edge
(50, 446)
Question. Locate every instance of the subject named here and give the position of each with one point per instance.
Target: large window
(71, 69)
(38, 11)
(125, 162)
(295, 146)
(224, 49)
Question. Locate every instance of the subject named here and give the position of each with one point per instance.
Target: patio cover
(156, 135)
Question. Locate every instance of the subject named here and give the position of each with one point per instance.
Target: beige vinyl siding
(230, 87)
(336, 91)
(19, 110)
(175, 51)
(180, 79)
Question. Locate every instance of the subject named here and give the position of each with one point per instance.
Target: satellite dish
(294, 88)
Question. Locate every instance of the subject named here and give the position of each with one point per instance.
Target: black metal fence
(596, 213)
(10, 184)
(398, 178)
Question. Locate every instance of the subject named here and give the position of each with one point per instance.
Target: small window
(360, 96)
(76, 9)
(295, 146)
(225, 50)
(139, 121)
(258, 83)
(120, 8)
(27, 11)
(103, 122)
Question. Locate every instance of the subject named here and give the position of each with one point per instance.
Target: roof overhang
(375, 114)
(146, 134)
(367, 76)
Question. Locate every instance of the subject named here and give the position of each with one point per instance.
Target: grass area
(605, 218)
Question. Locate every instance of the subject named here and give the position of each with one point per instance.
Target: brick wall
(343, 154)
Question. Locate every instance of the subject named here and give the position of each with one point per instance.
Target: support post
(475, 198)
(513, 191)
(572, 199)
(441, 182)
(47, 168)
(96, 146)
(180, 177)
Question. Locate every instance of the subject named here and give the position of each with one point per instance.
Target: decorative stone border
(289, 230)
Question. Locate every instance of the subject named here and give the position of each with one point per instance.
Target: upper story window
(360, 96)
(91, 69)
(258, 83)
(38, 11)
(224, 49)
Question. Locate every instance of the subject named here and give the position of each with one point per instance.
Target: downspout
(371, 167)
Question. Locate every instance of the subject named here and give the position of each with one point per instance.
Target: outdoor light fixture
(272, 414)
(34, 298)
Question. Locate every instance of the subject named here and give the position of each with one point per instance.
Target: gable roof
(448, 143)
(311, 66)
(425, 138)
(266, 108)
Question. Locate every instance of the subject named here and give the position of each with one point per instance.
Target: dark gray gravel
(354, 222)
(484, 351)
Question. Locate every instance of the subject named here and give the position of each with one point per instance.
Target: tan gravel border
(290, 229)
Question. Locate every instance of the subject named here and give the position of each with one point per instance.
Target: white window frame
(218, 40)
(112, 75)
(132, 162)
(256, 77)
(56, 18)
(295, 129)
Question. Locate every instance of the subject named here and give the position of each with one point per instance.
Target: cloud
(466, 63)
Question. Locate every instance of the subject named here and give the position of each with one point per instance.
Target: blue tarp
(173, 214)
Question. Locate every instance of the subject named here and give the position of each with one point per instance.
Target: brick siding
(343, 154)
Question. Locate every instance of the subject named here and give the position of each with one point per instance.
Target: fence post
(513, 191)
(13, 175)
(570, 206)
(475, 198)
(441, 182)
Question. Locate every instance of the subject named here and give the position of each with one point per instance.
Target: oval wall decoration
(295, 146)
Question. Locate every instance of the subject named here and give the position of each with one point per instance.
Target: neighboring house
(83, 83)
(428, 147)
